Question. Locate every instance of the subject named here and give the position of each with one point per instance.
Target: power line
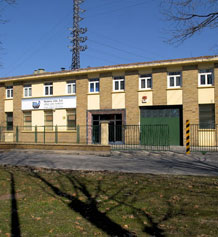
(42, 42)
(118, 49)
(107, 53)
(125, 43)
(46, 36)
(118, 9)
(93, 55)
(106, 4)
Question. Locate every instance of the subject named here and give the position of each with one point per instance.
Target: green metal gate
(142, 137)
(163, 116)
(154, 135)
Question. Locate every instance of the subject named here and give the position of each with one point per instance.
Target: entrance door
(112, 132)
(115, 126)
(169, 115)
(115, 131)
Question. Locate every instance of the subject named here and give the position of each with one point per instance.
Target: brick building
(158, 92)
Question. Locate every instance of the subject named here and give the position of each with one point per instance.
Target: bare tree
(189, 17)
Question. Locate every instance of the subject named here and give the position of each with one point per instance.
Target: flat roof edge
(118, 67)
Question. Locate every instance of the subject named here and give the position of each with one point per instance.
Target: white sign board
(57, 102)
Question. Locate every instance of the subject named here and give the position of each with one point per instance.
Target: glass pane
(178, 81)
(46, 90)
(30, 91)
(202, 79)
(149, 83)
(49, 117)
(69, 89)
(97, 86)
(207, 116)
(91, 87)
(9, 121)
(118, 116)
(71, 117)
(51, 90)
(143, 83)
(95, 117)
(122, 85)
(25, 92)
(11, 93)
(9, 117)
(209, 79)
(71, 123)
(27, 118)
(74, 87)
(171, 81)
(116, 85)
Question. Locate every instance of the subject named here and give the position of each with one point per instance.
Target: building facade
(160, 92)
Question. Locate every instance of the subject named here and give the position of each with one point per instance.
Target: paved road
(134, 162)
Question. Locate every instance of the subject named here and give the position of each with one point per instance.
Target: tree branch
(189, 17)
(200, 16)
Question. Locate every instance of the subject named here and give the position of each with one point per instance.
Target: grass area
(58, 203)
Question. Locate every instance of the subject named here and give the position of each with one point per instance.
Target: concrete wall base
(81, 148)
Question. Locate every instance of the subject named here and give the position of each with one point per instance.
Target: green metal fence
(89, 134)
(136, 137)
(203, 139)
(125, 137)
(51, 134)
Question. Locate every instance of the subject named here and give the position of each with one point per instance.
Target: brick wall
(216, 91)
(159, 76)
(131, 98)
(2, 105)
(105, 91)
(190, 96)
(17, 113)
(81, 107)
(63, 137)
(81, 97)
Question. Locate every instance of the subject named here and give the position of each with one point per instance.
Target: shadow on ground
(15, 223)
(89, 208)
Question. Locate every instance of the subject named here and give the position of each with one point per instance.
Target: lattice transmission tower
(76, 32)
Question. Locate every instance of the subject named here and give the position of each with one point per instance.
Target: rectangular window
(145, 81)
(119, 83)
(71, 87)
(48, 88)
(9, 92)
(174, 80)
(207, 116)
(94, 85)
(9, 121)
(48, 119)
(27, 120)
(205, 77)
(27, 90)
(71, 119)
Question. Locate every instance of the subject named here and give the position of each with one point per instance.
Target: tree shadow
(87, 209)
(195, 165)
(151, 227)
(90, 209)
(15, 223)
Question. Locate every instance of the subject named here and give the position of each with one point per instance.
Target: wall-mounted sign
(144, 99)
(57, 102)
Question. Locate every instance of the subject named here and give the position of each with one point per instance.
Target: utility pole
(76, 32)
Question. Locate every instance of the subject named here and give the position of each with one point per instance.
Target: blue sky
(119, 31)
